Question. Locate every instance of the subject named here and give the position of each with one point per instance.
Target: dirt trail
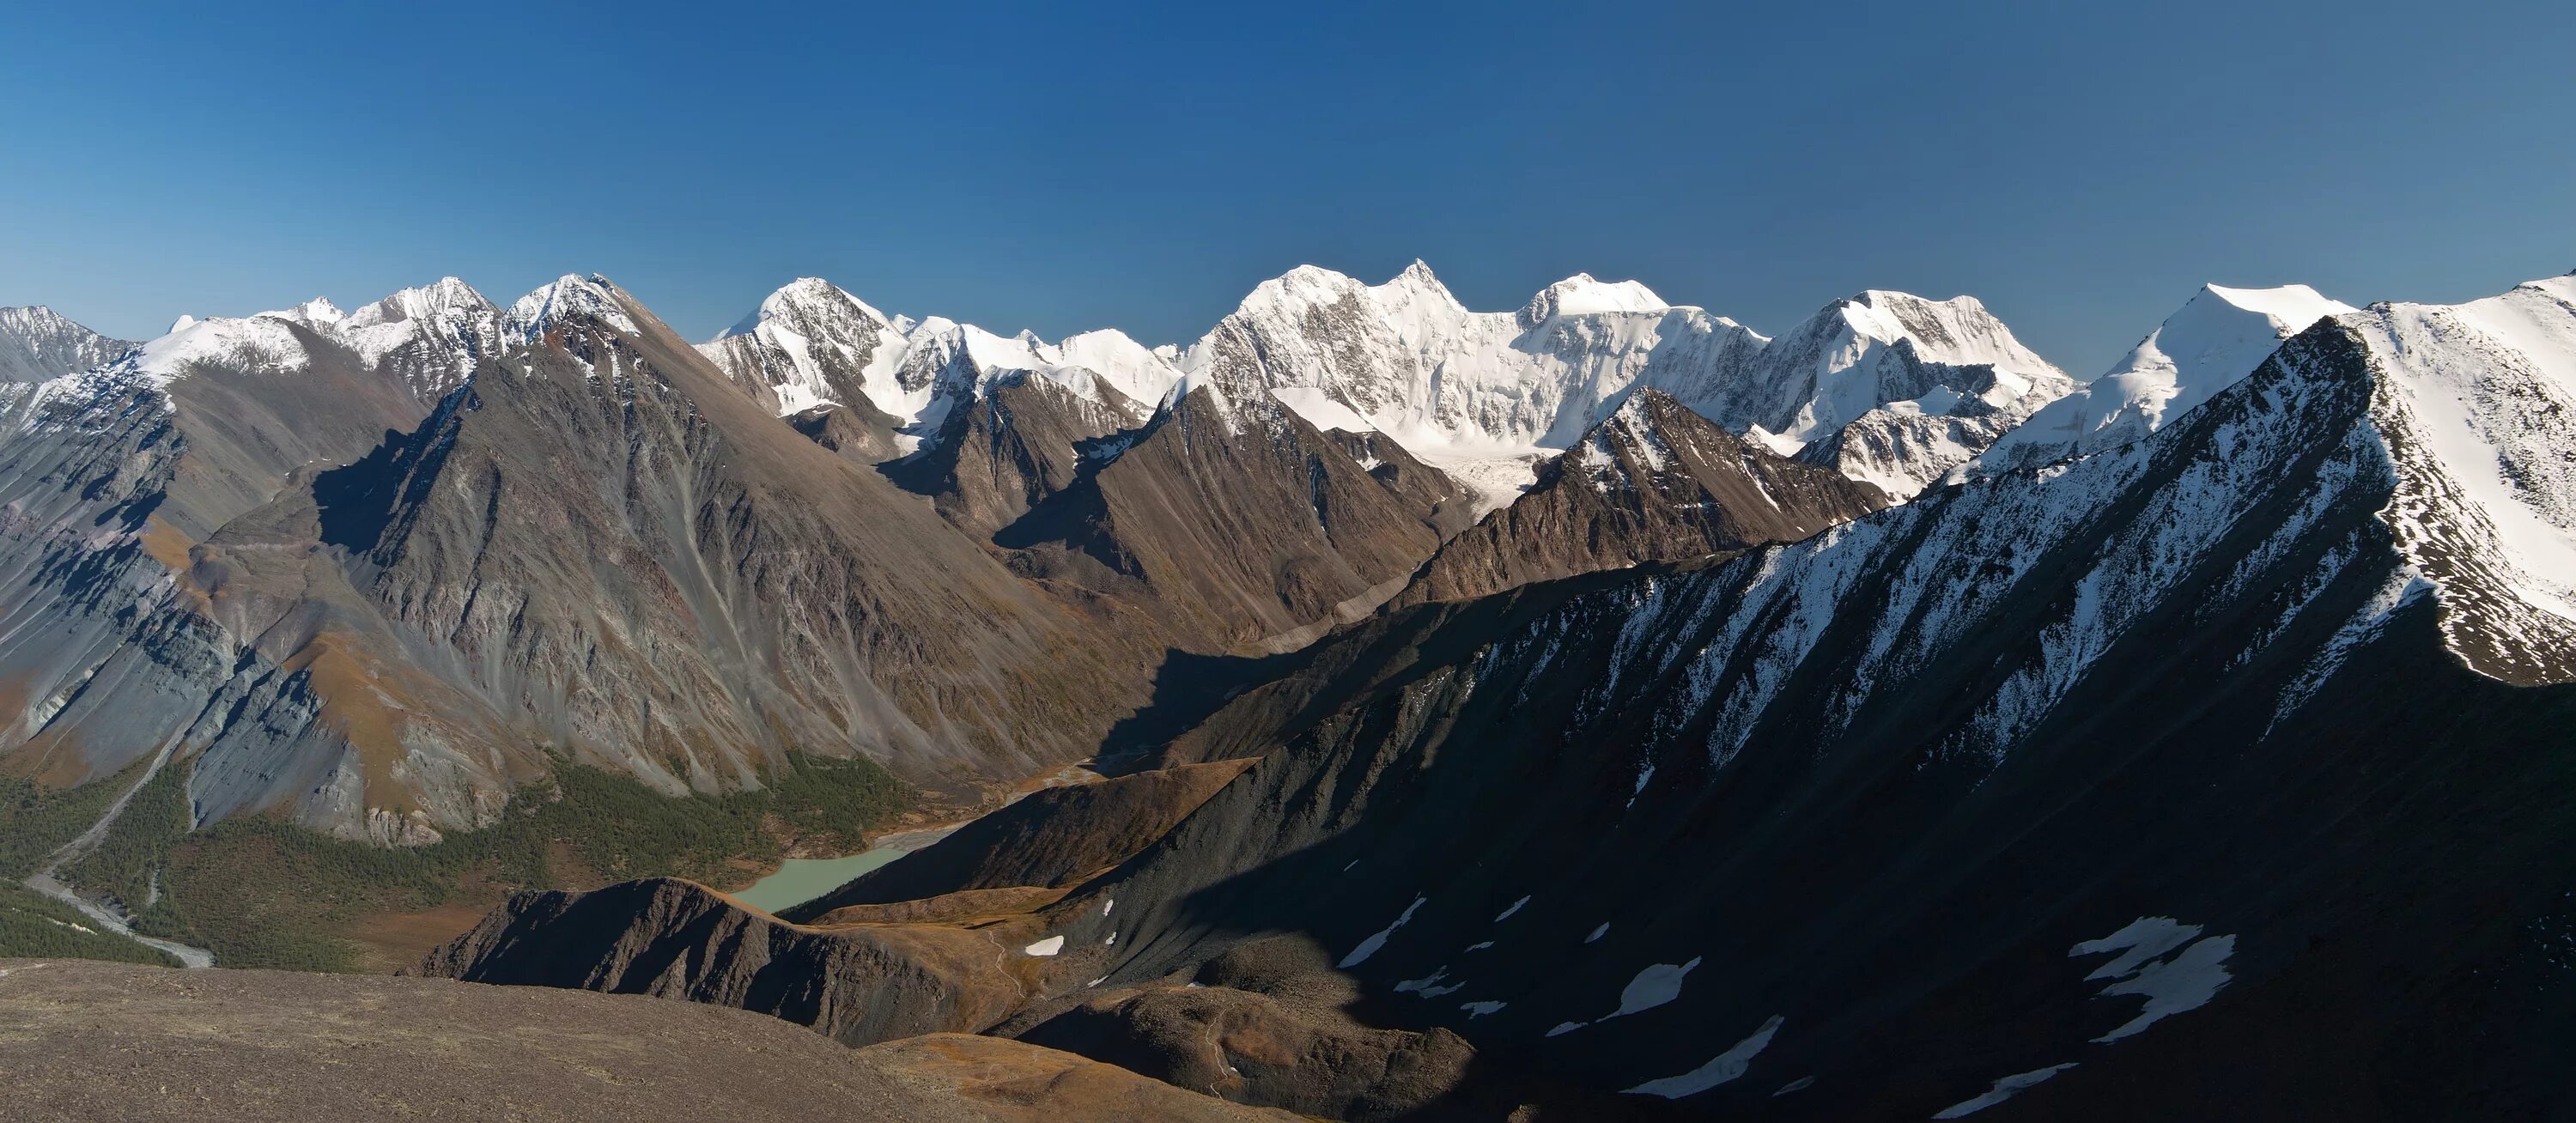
(44, 882)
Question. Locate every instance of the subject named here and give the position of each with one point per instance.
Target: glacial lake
(803, 879)
(799, 880)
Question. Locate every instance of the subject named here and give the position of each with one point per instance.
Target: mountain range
(1592, 710)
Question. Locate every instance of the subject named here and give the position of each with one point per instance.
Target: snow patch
(1726, 1066)
(2005, 1088)
(2186, 980)
(1654, 986)
(1370, 946)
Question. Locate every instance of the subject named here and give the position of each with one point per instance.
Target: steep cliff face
(1656, 482)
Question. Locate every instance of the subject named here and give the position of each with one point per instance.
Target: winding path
(43, 880)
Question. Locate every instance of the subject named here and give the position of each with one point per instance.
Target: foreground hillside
(101, 1041)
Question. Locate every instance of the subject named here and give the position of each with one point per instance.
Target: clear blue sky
(1071, 165)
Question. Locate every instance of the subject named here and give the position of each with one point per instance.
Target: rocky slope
(1238, 525)
(38, 343)
(593, 519)
(1966, 798)
(1656, 482)
(279, 1046)
(2055, 793)
(1244, 526)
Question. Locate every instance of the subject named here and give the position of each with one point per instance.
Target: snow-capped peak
(571, 295)
(426, 301)
(1936, 379)
(432, 335)
(1581, 295)
(183, 323)
(38, 343)
(1138, 373)
(2477, 405)
(259, 344)
(2217, 337)
(799, 304)
(812, 342)
(318, 313)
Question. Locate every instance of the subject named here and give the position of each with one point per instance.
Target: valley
(1375, 710)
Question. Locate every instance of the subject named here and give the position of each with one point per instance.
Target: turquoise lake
(803, 879)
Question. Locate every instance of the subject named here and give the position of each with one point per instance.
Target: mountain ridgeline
(1596, 710)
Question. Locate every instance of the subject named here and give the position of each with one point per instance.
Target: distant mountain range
(1598, 707)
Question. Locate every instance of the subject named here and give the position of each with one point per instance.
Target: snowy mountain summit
(38, 343)
(1889, 388)
(2218, 337)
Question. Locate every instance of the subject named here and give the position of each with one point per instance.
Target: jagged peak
(419, 301)
(318, 312)
(796, 302)
(565, 297)
(1959, 331)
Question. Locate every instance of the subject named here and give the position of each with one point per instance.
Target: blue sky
(1066, 166)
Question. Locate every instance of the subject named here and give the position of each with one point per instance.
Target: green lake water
(803, 879)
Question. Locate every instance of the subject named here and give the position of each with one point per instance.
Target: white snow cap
(919, 370)
(1580, 295)
(568, 296)
(2217, 338)
(318, 312)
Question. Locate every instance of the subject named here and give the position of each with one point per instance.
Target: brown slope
(104, 1041)
(1655, 482)
(857, 984)
(1239, 525)
(1022, 440)
(1051, 838)
(857, 430)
